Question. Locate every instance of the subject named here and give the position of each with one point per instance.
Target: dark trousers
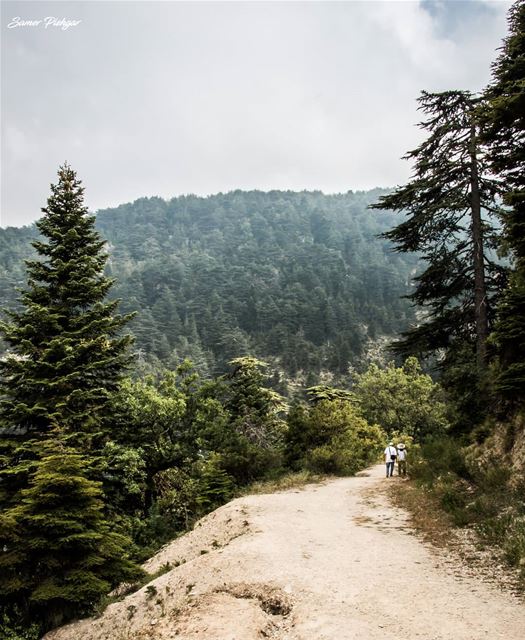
(402, 467)
(390, 469)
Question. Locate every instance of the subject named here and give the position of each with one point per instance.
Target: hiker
(401, 459)
(390, 459)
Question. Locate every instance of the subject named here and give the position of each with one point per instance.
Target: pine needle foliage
(503, 120)
(450, 209)
(216, 486)
(66, 350)
(321, 392)
(59, 553)
(67, 356)
(255, 409)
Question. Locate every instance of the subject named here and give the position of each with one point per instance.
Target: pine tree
(59, 555)
(249, 434)
(504, 132)
(66, 357)
(215, 486)
(254, 408)
(66, 351)
(444, 202)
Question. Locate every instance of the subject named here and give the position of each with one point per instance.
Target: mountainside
(298, 277)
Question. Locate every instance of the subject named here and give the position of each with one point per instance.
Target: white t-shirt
(401, 454)
(389, 452)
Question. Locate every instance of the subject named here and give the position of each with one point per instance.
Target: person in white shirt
(390, 459)
(401, 459)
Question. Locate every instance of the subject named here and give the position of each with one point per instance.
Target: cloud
(163, 98)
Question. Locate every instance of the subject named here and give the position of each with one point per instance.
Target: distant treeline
(301, 278)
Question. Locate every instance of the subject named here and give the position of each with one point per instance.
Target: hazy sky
(165, 98)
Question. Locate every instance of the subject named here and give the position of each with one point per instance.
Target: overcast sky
(166, 98)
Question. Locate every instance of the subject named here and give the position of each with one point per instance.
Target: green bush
(476, 490)
(246, 462)
(10, 629)
(454, 500)
(494, 529)
(438, 458)
(491, 477)
(332, 459)
(402, 399)
(331, 438)
(173, 511)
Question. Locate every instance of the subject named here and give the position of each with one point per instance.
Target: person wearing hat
(401, 459)
(390, 459)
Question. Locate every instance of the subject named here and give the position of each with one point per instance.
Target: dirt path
(327, 562)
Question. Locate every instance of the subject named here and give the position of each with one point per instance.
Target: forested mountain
(301, 277)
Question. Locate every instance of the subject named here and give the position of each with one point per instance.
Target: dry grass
(284, 483)
(425, 512)
(462, 544)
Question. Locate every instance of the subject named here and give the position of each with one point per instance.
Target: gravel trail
(332, 561)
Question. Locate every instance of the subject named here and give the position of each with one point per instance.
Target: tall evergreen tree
(504, 131)
(57, 553)
(66, 350)
(445, 201)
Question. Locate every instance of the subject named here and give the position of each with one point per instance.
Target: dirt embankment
(333, 561)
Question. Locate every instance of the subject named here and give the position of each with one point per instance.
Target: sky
(152, 98)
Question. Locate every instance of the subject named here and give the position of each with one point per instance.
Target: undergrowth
(11, 629)
(470, 490)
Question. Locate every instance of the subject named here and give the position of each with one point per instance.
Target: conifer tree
(67, 356)
(248, 430)
(254, 408)
(504, 132)
(445, 201)
(58, 554)
(66, 352)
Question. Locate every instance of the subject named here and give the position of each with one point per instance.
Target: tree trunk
(480, 293)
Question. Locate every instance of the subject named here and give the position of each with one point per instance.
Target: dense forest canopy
(300, 278)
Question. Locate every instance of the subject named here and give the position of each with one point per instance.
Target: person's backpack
(393, 456)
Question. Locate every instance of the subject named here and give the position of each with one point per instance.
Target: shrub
(514, 542)
(454, 499)
(334, 458)
(247, 462)
(402, 399)
(10, 629)
(476, 491)
(438, 458)
(331, 438)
